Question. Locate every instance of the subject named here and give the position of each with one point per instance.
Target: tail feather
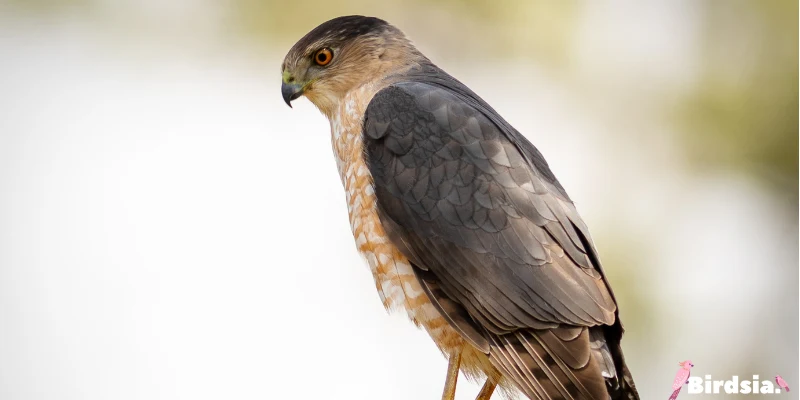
(549, 378)
(628, 388)
(675, 393)
(619, 383)
(503, 361)
(568, 363)
(625, 388)
(545, 366)
(601, 353)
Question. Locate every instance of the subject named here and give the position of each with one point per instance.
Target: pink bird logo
(781, 383)
(680, 378)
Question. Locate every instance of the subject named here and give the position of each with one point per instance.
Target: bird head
(340, 55)
(686, 364)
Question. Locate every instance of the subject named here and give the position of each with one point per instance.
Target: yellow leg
(452, 377)
(487, 390)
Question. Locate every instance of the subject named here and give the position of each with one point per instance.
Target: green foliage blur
(741, 114)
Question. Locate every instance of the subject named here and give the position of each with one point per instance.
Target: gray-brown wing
(470, 209)
(489, 233)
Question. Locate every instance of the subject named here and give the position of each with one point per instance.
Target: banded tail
(566, 362)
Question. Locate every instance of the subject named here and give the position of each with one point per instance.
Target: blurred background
(169, 229)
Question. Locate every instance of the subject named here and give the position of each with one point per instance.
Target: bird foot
(453, 366)
(486, 390)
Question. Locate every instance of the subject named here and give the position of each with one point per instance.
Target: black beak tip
(290, 92)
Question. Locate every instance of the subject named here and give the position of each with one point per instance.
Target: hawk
(460, 219)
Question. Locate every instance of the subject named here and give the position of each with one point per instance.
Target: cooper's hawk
(460, 219)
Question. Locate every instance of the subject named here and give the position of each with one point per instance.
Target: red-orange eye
(323, 57)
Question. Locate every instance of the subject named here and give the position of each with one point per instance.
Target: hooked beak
(291, 91)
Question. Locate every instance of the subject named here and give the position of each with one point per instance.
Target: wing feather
(493, 237)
